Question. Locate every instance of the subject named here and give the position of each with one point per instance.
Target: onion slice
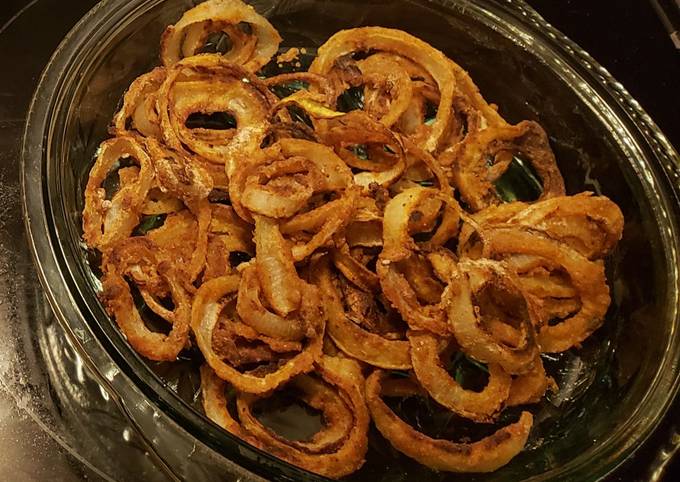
(135, 260)
(465, 317)
(382, 39)
(587, 277)
(189, 34)
(481, 406)
(205, 314)
(486, 455)
(322, 456)
(104, 221)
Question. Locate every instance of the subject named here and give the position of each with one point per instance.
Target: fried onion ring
(485, 455)
(465, 317)
(208, 84)
(104, 221)
(188, 36)
(586, 276)
(205, 314)
(134, 260)
(381, 39)
(481, 406)
(486, 155)
(321, 456)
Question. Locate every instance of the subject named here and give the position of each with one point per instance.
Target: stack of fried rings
(322, 252)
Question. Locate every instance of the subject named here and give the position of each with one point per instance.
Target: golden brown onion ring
(473, 176)
(337, 417)
(587, 277)
(481, 406)
(385, 160)
(205, 313)
(104, 221)
(330, 461)
(380, 39)
(207, 84)
(188, 35)
(295, 169)
(399, 246)
(486, 455)
(465, 316)
(139, 106)
(592, 225)
(135, 259)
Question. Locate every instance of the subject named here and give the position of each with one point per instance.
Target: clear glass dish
(614, 390)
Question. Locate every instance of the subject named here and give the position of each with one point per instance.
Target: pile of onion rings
(345, 254)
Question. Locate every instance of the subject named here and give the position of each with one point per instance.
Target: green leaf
(519, 182)
(148, 223)
(400, 374)
(360, 151)
(351, 99)
(430, 113)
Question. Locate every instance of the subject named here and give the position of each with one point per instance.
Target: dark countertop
(629, 40)
(625, 36)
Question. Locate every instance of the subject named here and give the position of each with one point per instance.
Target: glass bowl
(614, 390)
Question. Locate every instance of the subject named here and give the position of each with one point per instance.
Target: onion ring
(587, 277)
(205, 313)
(485, 455)
(105, 222)
(135, 259)
(592, 225)
(327, 460)
(464, 316)
(481, 406)
(473, 176)
(188, 35)
(381, 39)
(207, 84)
